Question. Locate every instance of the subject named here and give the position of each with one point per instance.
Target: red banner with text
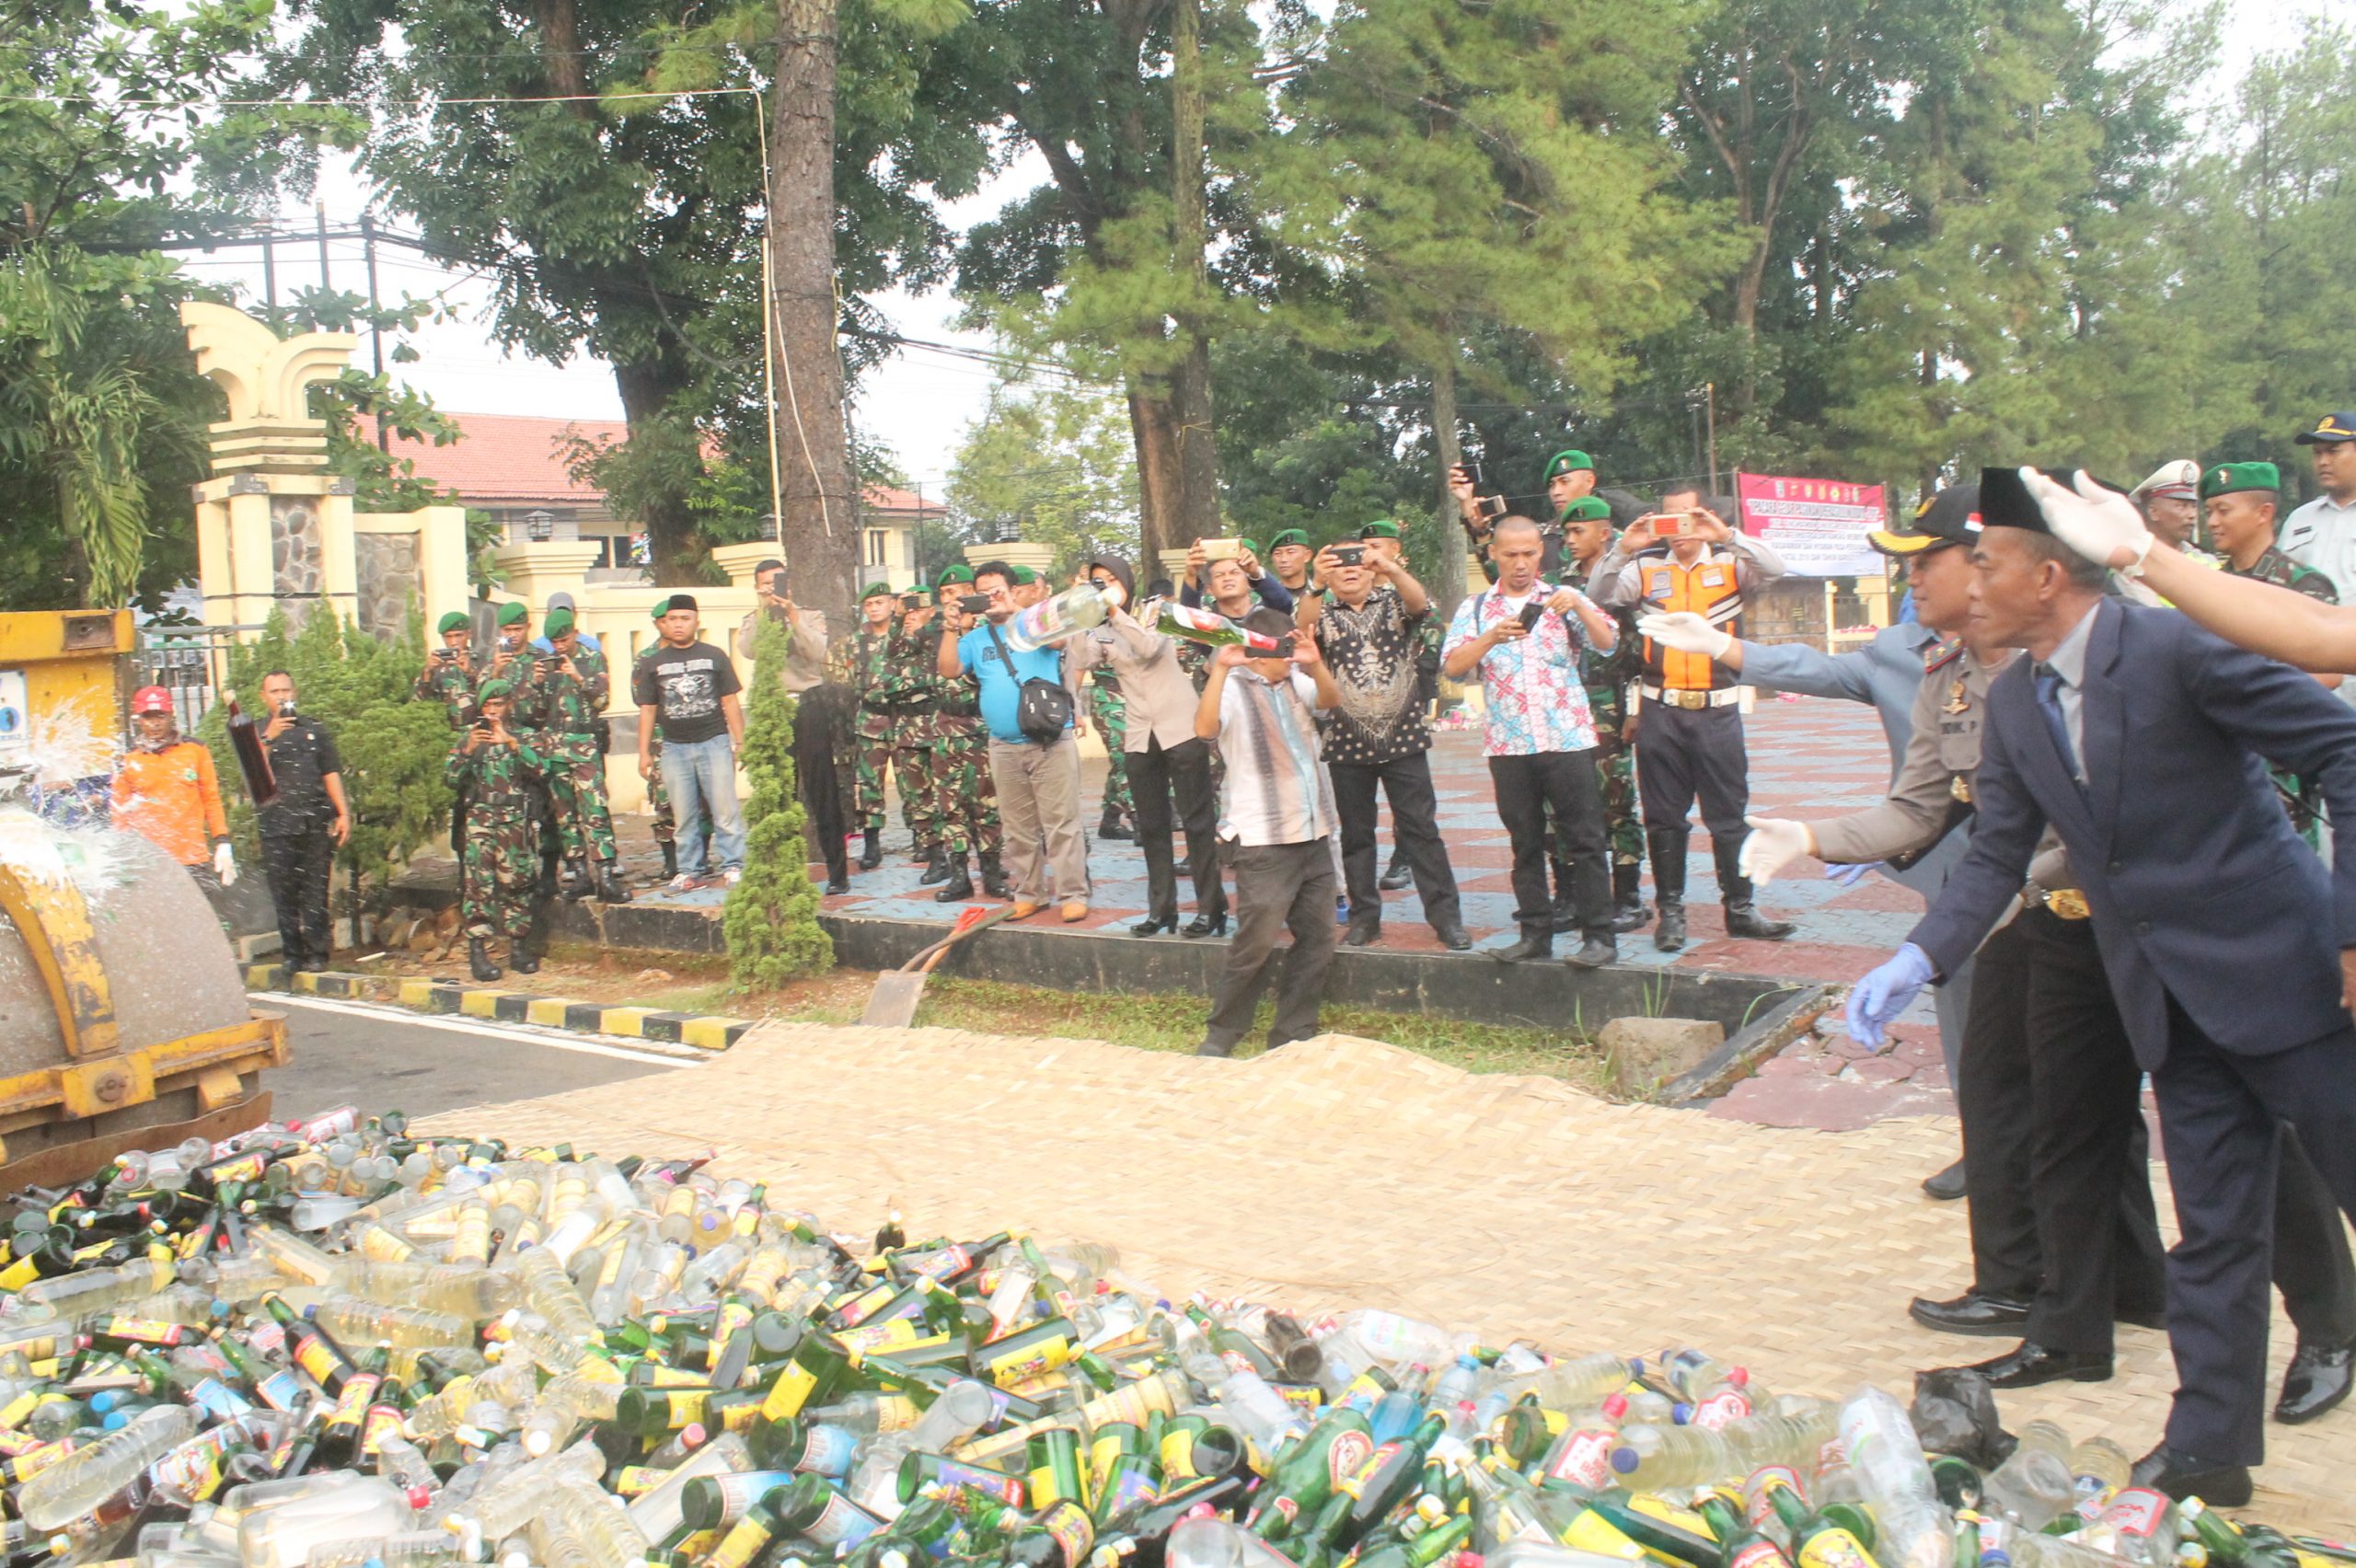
(1819, 526)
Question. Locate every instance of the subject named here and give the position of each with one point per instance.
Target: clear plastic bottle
(2034, 1486)
(2099, 1468)
(1067, 613)
(566, 1401)
(2141, 1526)
(1792, 1436)
(353, 1507)
(408, 1548)
(1655, 1458)
(1216, 1543)
(548, 1291)
(1578, 1384)
(356, 1320)
(79, 1483)
(477, 1294)
(92, 1290)
(613, 1541)
(1885, 1455)
(657, 1512)
(501, 1508)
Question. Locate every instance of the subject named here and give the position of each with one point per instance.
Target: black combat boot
(994, 880)
(670, 858)
(1734, 890)
(871, 855)
(1628, 911)
(574, 882)
(611, 889)
(1667, 848)
(478, 962)
(959, 887)
(936, 868)
(520, 959)
(1537, 942)
(1112, 826)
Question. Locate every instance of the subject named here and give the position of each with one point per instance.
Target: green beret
(2224, 478)
(1022, 576)
(556, 623)
(1569, 461)
(662, 607)
(1251, 545)
(1587, 509)
(959, 574)
(875, 590)
(513, 613)
(1290, 537)
(489, 689)
(1380, 528)
(457, 620)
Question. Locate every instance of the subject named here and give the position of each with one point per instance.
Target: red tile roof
(513, 459)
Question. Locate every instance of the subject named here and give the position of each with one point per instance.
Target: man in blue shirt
(1037, 780)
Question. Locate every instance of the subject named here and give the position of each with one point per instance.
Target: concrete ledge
(707, 1032)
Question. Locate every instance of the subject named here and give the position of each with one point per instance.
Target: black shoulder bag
(1043, 708)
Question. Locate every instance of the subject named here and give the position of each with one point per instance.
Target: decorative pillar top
(270, 428)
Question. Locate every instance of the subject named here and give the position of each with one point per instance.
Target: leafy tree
(393, 747)
(1056, 462)
(770, 919)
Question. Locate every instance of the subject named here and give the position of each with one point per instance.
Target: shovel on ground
(897, 991)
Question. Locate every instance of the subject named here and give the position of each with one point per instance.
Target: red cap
(151, 700)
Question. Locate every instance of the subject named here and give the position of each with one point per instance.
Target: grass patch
(1175, 1023)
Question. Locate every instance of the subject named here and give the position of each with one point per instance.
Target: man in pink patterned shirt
(1523, 637)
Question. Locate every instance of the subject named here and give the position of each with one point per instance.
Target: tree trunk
(1191, 384)
(674, 544)
(1153, 428)
(819, 529)
(1444, 580)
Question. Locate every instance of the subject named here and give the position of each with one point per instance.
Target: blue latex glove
(1851, 875)
(1883, 994)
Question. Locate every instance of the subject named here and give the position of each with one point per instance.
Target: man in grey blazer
(2196, 882)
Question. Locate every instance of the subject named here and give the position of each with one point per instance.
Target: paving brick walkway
(1340, 1172)
(1809, 758)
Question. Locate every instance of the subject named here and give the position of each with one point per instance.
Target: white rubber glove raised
(225, 865)
(2098, 523)
(1686, 632)
(1773, 843)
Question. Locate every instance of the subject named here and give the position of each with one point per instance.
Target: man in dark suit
(2196, 882)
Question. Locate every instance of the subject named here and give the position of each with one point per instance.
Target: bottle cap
(1625, 1460)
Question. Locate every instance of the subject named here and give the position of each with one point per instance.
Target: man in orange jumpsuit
(166, 790)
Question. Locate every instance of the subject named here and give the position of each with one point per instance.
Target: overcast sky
(919, 403)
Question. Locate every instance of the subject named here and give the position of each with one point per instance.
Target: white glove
(2098, 523)
(225, 865)
(1773, 844)
(1686, 632)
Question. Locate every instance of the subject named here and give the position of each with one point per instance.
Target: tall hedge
(772, 917)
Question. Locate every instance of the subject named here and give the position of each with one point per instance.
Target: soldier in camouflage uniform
(499, 773)
(451, 671)
(1588, 534)
(1112, 723)
(912, 690)
(864, 660)
(965, 801)
(574, 682)
(512, 662)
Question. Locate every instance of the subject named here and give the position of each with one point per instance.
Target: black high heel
(1205, 925)
(1160, 923)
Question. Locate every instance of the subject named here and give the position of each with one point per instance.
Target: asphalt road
(382, 1058)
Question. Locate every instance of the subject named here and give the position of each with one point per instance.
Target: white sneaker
(685, 882)
(729, 877)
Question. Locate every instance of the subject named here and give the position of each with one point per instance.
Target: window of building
(875, 543)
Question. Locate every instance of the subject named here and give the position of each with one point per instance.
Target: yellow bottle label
(472, 1241)
(1834, 1548)
(1592, 1532)
(794, 1385)
(744, 1542)
(381, 1246)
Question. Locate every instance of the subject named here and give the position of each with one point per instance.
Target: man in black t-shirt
(301, 828)
(689, 687)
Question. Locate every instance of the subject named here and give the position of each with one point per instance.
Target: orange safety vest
(171, 797)
(1708, 588)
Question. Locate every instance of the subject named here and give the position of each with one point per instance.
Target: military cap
(1570, 460)
(1291, 537)
(1587, 509)
(2225, 478)
(556, 623)
(1021, 576)
(512, 614)
(455, 620)
(2330, 431)
(2175, 479)
(959, 574)
(875, 590)
(489, 689)
(1251, 545)
(1950, 517)
(1380, 528)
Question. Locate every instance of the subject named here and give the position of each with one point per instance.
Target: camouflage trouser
(965, 801)
(874, 743)
(912, 775)
(1113, 727)
(658, 800)
(1624, 829)
(576, 778)
(496, 873)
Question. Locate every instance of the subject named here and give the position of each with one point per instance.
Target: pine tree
(772, 917)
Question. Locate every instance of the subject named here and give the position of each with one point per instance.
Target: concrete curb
(708, 1031)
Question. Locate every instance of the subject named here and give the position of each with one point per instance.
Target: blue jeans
(701, 778)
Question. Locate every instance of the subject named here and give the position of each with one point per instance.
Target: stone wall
(392, 581)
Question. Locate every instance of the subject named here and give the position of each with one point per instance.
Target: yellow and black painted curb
(707, 1031)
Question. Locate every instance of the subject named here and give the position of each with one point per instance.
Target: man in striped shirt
(1275, 823)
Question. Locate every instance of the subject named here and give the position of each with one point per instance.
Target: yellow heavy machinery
(123, 1020)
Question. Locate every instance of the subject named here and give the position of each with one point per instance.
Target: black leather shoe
(1160, 923)
(2028, 1363)
(1594, 953)
(1947, 1186)
(1396, 878)
(2181, 1476)
(2318, 1380)
(1669, 935)
(1970, 1313)
(1362, 934)
(1743, 920)
(1537, 946)
(1112, 829)
(1205, 925)
(837, 887)
(478, 962)
(1455, 938)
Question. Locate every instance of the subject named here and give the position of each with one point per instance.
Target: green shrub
(771, 916)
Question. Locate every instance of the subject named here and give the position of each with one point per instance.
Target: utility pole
(1710, 414)
(319, 211)
(375, 328)
(269, 271)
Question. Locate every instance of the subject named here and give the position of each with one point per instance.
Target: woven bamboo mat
(1342, 1172)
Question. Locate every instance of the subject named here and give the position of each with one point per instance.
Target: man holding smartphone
(1568, 476)
(451, 671)
(1522, 640)
(1689, 734)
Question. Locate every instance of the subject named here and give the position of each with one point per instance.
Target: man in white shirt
(2322, 534)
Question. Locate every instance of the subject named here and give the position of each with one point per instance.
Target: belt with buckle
(1959, 788)
(1677, 697)
(2063, 903)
